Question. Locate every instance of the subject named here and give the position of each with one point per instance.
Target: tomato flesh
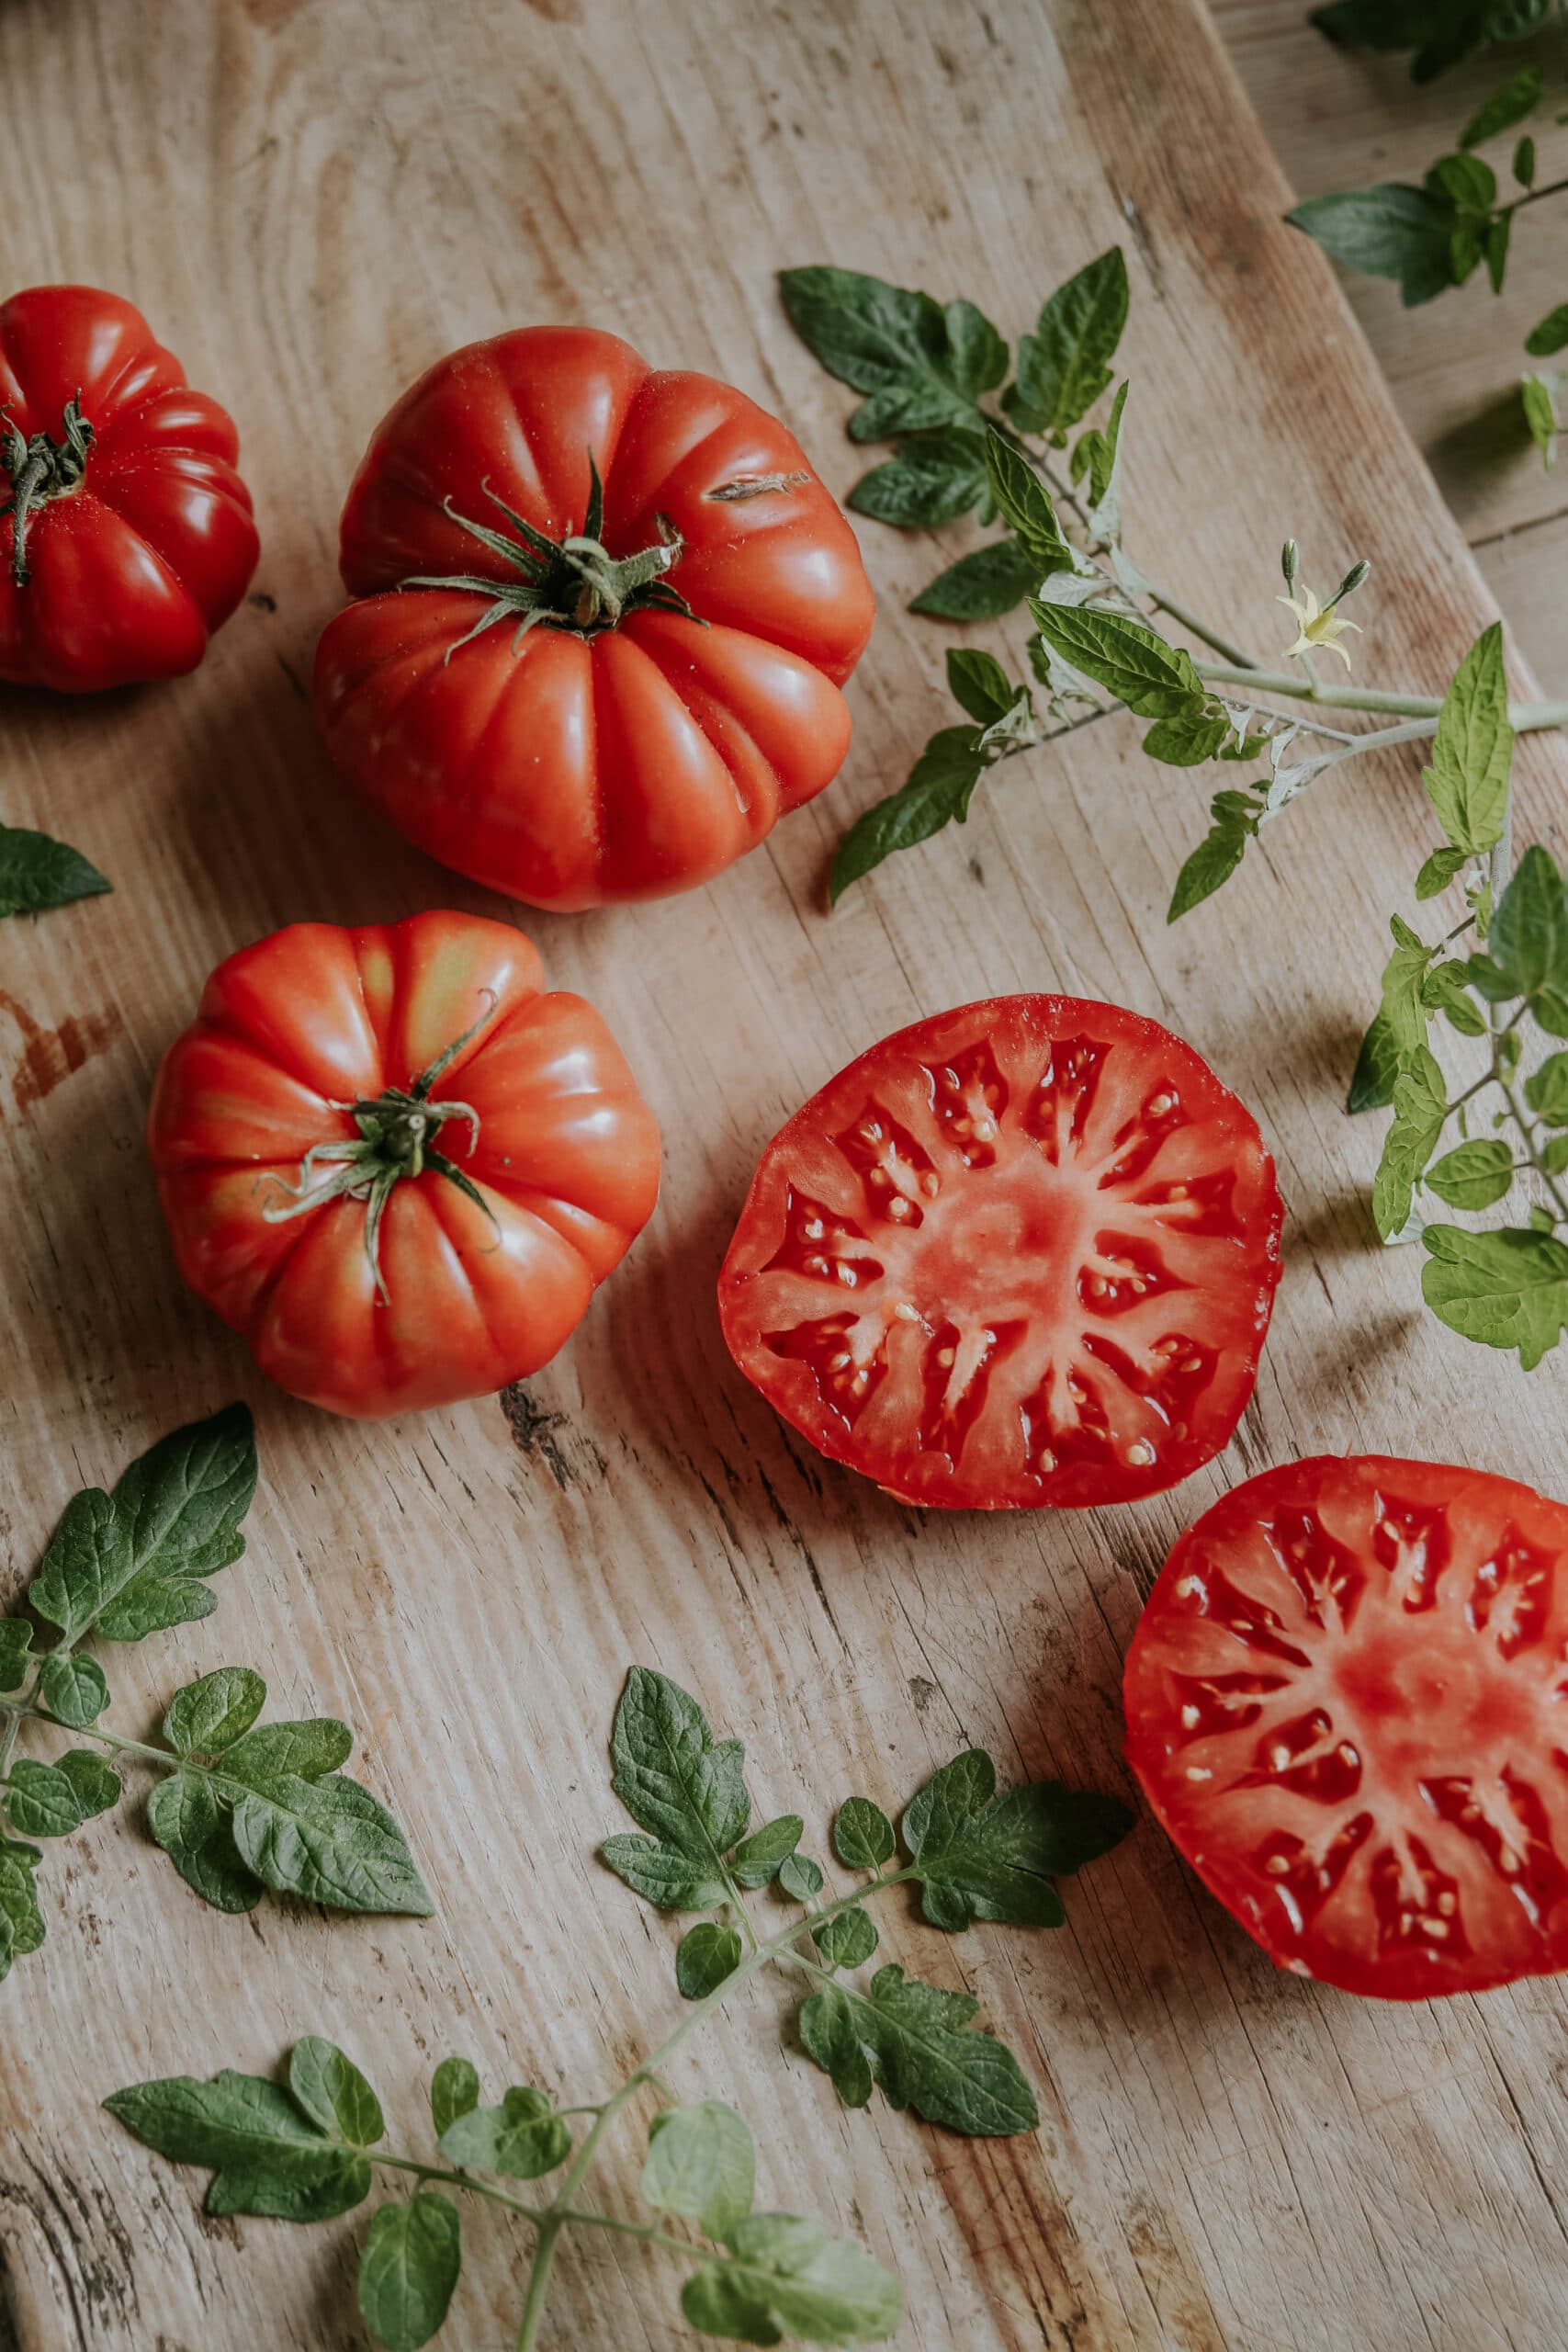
(1022, 1254)
(1345, 1703)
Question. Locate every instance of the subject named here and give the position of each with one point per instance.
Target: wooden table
(312, 199)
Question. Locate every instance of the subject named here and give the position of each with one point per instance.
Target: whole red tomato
(626, 608)
(1022, 1254)
(126, 537)
(394, 1164)
(1345, 1704)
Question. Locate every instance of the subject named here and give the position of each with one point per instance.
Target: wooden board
(313, 198)
(1337, 119)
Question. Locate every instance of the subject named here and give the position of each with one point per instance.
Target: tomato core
(41, 471)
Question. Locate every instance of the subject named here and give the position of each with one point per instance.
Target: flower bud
(1289, 561)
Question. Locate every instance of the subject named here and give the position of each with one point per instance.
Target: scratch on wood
(534, 1432)
(51, 1054)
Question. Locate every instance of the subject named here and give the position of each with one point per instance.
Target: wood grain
(1341, 119)
(313, 200)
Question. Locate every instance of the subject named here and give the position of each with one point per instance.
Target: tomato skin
(911, 1280)
(133, 570)
(573, 771)
(566, 1156)
(1343, 1705)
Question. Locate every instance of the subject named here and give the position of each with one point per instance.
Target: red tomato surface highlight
(1022, 1254)
(623, 717)
(1345, 1702)
(127, 536)
(396, 1164)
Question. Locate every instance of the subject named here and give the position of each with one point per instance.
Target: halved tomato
(1345, 1702)
(1022, 1253)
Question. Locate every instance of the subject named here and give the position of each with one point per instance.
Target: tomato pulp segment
(603, 616)
(1020, 1253)
(127, 534)
(397, 1164)
(1345, 1704)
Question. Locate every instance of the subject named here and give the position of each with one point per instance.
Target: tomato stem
(397, 1139)
(41, 469)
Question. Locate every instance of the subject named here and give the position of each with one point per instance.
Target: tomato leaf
(1154, 678)
(1420, 1104)
(522, 2139)
(209, 1714)
(1390, 231)
(846, 1941)
(1517, 97)
(265, 2154)
(705, 1958)
(334, 2094)
(196, 1830)
(1064, 366)
(862, 1835)
(1190, 739)
(981, 1856)
(331, 1842)
(1376, 1067)
(1528, 937)
(935, 477)
(1549, 335)
(1474, 1176)
(760, 1857)
(920, 2046)
(939, 788)
(983, 585)
(1508, 1289)
(74, 1689)
(979, 684)
(700, 2163)
(923, 366)
(409, 2270)
(1546, 1091)
(1468, 780)
(784, 2277)
(1024, 501)
(37, 873)
(454, 2091)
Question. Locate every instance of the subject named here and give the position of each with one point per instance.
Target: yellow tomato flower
(1317, 625)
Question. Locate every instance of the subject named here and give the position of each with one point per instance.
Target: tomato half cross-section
(604, 615)
(1022, 1254)
(396, 1163)
(1346, 1703)
(125, 534)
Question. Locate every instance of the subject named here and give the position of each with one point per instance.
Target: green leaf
(1419, 1104)
(133, 1562)
(409, 2269)
(1468, 780)
(1438, 870)
(1529, 938)
(1376, 1067)
(454, 2091)
(1523, 168)
(42, 1800)
(1064, 364)
(1190, 739)
(1549, 335)
(700, 2163)
(94, 1784)
(265, 2156)
(1474, 1176)
(759, 1859)
(330, 1841)
(37, 873)
(848, 1940)
(1445, 989)
(1466, 181)
(1506, 107)
(940, 785)
(1209, 866)
(1553, 1157)
(921, 365)
(522, 2139)
(705, 1957)
(1498, 234)
(1154, 678)
(983, 585)
(1539, 394)
(16, 1652)
(784, 2277)
(920, 2044)
(197, 1832)
(661, 1875)
(862, 1835)
(1096, 454)
(801, 1879)
(334, 2093)
(1506, 1289)
(981, 1856)
(21, 1921)
(1390, 231)
(208, 1715)
(272, 1755)
(1404, 1009)
(74, 1689)
(935, 477)
(1024, 501)
(1546, 1091)
(978, 683)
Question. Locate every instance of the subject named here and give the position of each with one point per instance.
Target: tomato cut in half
(1345, 1702)
(1023, 1253)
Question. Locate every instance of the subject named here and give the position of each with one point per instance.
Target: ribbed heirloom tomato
(126, 537)
(394, 1163)
(1345, 1702)
(1022, 1254)
(628, 606)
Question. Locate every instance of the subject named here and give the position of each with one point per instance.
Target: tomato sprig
(397, 1139)
(573, 583)
(41, 469)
